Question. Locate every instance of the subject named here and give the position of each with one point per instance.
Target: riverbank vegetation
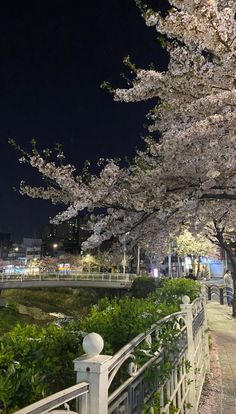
(33, 306)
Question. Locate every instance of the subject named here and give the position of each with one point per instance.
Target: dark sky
(54, 56)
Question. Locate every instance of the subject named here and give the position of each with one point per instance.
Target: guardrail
(73, 275)
(159, 371)
(78, 392)
(221, 293)
(73, 280)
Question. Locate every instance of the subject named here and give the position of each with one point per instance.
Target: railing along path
(219, 293)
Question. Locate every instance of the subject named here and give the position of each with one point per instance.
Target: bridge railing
(72, 275)
(159, 371)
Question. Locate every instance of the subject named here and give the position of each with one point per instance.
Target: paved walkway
(222, 379)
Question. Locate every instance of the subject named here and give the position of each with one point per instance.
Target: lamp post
(124, 253)
(16, 250)
(55, 246)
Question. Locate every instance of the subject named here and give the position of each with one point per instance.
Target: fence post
(205, 333)
(209, 292)
(221, 289)
(93, 368)
(186, 307)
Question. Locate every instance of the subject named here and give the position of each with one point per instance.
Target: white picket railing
(136, 379)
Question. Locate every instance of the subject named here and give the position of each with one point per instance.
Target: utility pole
(138, 260)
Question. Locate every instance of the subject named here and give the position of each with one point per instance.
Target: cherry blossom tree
(186, 176)
(195, 247)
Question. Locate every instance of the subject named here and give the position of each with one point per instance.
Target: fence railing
(70, 276)
(221, 293)
(159, 371)
(77, 395)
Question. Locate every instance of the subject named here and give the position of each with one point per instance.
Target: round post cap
(93, 344)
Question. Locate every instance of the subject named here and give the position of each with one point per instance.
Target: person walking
(228, 280)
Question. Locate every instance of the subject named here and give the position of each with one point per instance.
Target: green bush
(120, 320)
(35, 362)
(142, 286)
(173, 289)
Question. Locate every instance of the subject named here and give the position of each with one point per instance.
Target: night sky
(54, 56)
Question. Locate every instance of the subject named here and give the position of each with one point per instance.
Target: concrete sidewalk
(222, 379)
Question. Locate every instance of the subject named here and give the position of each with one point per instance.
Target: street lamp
(55, 246)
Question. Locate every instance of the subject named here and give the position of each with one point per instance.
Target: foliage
(189, 245)
(142, 286)
(173, 289)
(118, 321)
(35, 362)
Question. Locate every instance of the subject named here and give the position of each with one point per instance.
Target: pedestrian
(228, 280)
(191, 275)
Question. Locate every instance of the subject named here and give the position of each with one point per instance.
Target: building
(66, 237)
(32, 248)
(5, 245)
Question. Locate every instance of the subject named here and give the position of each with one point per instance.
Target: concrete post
(186, 307)
(93, 368)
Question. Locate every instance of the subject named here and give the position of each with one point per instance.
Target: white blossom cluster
(191, 171)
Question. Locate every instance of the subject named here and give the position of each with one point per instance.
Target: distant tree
(194, 246)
